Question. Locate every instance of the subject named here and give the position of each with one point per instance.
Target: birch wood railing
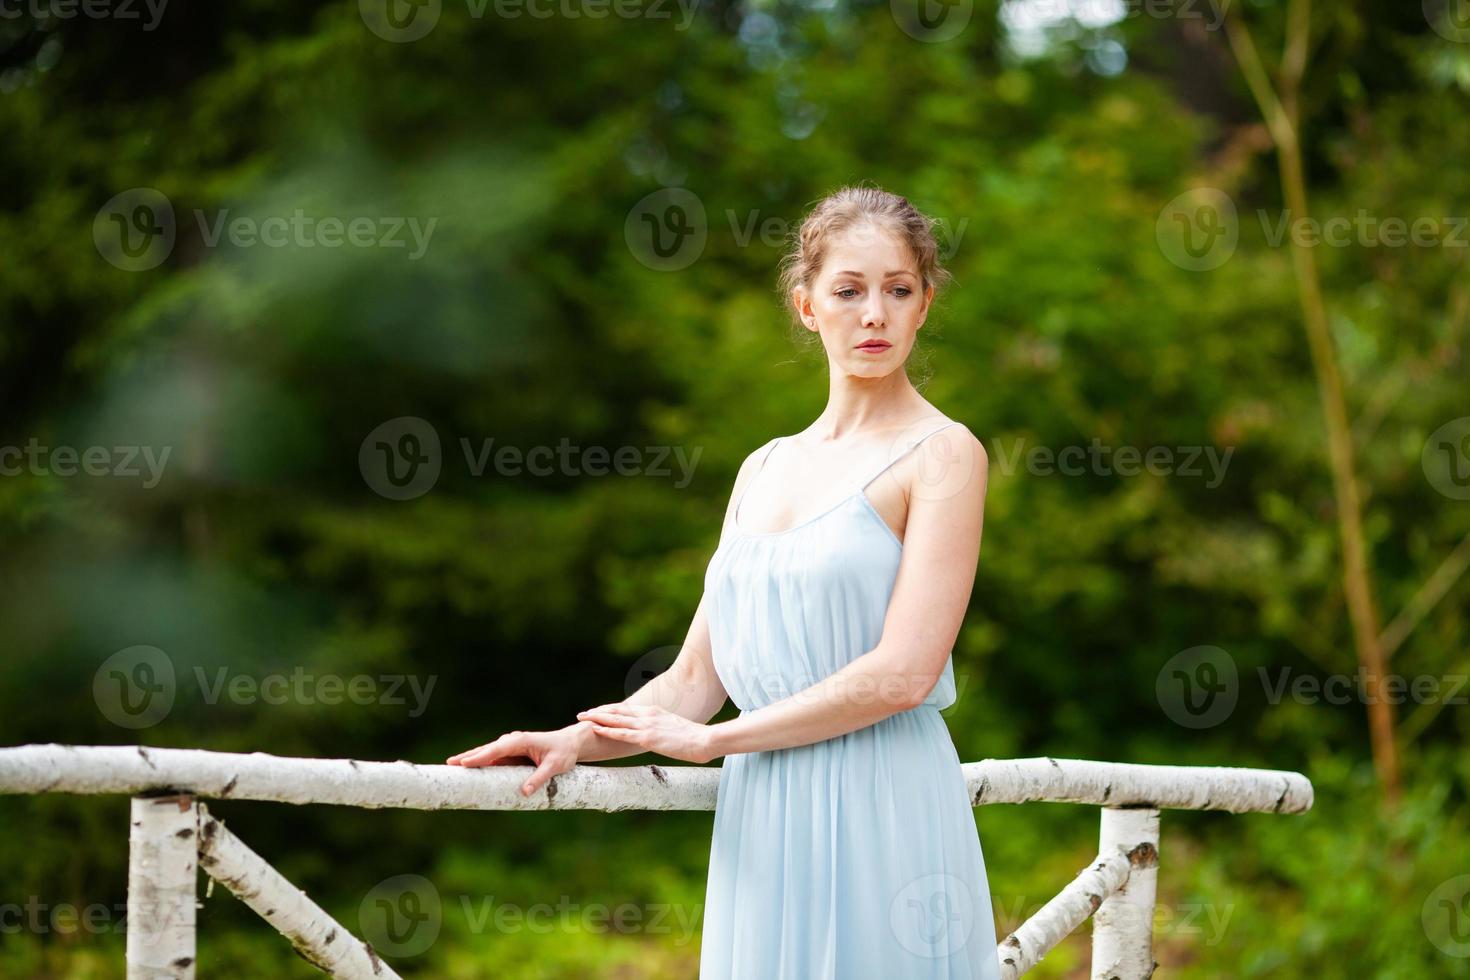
(173, 835)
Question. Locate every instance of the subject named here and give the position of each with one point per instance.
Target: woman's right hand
(552, 753)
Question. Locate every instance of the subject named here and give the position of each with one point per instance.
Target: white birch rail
(318, 937)
(170, 830)
(1056, 920)
(346, 782)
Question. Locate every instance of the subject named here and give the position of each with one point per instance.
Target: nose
(873, 311)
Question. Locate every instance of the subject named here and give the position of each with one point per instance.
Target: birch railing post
(1123, 926)
(163, 875)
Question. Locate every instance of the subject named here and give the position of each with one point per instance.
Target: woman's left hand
(653, 728)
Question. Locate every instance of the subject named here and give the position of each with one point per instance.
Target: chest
(846, 552)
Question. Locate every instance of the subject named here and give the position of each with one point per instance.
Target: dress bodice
(789, 608)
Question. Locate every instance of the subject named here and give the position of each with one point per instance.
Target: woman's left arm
(930, 595)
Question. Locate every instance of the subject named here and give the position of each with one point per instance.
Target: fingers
(550, 766)
(603, 720)
(622, 708)
(616, 714)
(485, 754)
(459, 758)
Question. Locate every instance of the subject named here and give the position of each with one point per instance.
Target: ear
(924, 310)
(803, 304)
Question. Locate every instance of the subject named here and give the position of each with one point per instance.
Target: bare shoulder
(748, 468)
(971, 445)
(955, 467)
(753, 460)
(960, 438)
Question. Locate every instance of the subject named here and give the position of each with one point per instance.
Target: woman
(844, 840)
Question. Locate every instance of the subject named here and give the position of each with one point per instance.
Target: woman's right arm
(690, 688)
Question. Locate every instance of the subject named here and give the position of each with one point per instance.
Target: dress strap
(903, 451)
(745, 489)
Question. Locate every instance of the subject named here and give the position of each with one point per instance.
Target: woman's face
(866, 302)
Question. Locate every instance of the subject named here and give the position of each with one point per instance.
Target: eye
(903, 290)
(847, 292)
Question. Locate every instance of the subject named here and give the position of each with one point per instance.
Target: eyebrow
(886, 275)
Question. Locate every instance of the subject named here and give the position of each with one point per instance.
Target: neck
(857, 404)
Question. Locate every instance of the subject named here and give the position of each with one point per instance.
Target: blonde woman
(844, 841)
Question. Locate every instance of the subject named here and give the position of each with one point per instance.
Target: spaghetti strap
(745, 489)
(902, 453)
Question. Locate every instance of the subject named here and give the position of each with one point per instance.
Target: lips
(874, 345)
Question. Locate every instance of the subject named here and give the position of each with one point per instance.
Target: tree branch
(1428, 596)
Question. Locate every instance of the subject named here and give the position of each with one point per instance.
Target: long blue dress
(853, 858)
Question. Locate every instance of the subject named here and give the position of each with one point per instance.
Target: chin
(871, 370)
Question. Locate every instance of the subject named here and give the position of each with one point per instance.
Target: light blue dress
(853, 858)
